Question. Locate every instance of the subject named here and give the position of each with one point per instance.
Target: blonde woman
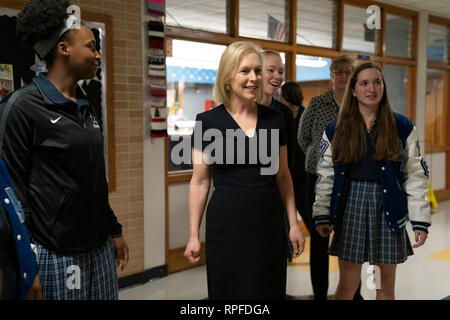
(246, 247)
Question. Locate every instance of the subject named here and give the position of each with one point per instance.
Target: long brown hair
(349, 142)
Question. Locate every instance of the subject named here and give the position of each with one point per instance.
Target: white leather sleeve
(416, 181)
(324, 184)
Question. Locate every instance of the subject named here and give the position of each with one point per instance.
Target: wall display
(157, 69)
(6, 80)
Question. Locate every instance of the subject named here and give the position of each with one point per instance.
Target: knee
(349, 285)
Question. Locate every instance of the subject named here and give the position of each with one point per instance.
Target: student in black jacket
(53, 149)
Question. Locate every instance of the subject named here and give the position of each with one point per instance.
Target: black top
(53, 149)
(244, 218)
(367, 168)
(269, 122)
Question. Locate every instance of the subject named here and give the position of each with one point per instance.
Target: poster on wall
(6, 80)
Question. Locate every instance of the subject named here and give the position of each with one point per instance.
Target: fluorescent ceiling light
(302, 61)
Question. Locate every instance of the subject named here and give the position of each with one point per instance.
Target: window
(264, 19)
(397, 85)
(316, 23)
(398, 36)
(438, 36)
(208, 15)
(191, 73)
(313, 75)
(357, 37)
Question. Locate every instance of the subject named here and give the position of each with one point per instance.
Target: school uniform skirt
(362, 233)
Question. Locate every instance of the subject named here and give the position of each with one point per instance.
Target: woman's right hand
(192, 252)
(324, 229)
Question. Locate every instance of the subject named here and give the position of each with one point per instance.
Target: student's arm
(198, 194)
(286, 189)
(416, 188)
(324, 187)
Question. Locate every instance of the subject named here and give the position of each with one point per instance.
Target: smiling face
(83, 57)
(273, 74)
(247, 78)
(369, 88)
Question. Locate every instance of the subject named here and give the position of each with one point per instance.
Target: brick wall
(127, 200)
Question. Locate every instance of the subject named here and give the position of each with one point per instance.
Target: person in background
(371, 177)
(291, 95)
(318, 113)
(273, 76)
(246, 249)
(53, 150)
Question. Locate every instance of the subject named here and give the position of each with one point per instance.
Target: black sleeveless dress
(246, 249)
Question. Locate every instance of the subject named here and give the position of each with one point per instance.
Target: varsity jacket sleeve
(416, 184)
(304, 137)
(324, 184)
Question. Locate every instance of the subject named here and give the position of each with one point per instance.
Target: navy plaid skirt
(362, 234)
(84, 276)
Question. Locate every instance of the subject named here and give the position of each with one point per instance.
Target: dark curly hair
(39, 20)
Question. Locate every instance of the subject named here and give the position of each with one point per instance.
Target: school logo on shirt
(94, 122)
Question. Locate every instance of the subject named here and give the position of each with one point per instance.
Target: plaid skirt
(84, 276)
(362, 233)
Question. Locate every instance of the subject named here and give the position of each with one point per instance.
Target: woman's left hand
(121, 250)
(421, 236)
(297, 240)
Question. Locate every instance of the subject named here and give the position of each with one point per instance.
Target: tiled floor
(426, 274)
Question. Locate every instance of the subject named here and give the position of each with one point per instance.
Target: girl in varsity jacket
(371, 176)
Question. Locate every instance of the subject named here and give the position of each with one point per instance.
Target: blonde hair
(271, 53)
(229, 63)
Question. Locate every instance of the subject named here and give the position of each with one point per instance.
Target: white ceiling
(435, 7)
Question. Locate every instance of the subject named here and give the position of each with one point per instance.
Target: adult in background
(53, 149)
(246, 249)
(318, 113)
(372, 177)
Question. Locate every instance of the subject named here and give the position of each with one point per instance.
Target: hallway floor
(424, 276)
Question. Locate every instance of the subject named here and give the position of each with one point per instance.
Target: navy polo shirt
(50, 92)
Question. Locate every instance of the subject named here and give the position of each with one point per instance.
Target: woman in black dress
(243, 146)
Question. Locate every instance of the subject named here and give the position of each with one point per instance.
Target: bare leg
(349, 279)
(387, 282)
